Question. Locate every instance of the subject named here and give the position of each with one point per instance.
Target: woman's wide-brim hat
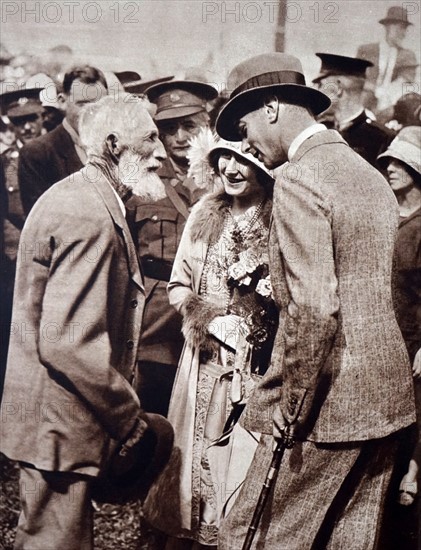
(277, 73)
(130, 477)
(406, 147)
(222, 146)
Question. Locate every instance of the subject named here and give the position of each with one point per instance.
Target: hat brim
(141, 86)
(387, 20)
(217, 149)
(250, 100)
(179, 112)
(200, 89)
(387, 156)
(130, 477)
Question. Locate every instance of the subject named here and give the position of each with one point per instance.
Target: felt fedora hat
(130, 477)
(396, 14)
(279, 73)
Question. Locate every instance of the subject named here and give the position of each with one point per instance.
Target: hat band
(269, 79)
(180, 105)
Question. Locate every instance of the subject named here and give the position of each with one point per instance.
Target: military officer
(21, 112)
(343, 78)
(181, 114)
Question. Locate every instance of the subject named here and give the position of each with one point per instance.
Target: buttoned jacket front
(340, 368)
(76, 323)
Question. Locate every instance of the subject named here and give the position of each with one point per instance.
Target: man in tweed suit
(340, 376)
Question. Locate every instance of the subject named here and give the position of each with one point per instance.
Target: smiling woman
(220, 283)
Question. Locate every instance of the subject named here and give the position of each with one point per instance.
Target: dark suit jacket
(77, 311)
(340, 368)
(44, 161)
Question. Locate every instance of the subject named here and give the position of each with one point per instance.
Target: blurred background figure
(389, 58)
(405, 112)
(403, 162)
(181, 112)
(21, 122)
(60, 152)
(342, 78)
(53, 110)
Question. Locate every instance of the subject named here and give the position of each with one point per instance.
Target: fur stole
(207, 222)
(208, 216)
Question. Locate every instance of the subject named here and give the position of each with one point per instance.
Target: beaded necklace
(237, 232)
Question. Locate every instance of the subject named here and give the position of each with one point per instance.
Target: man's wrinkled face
(141, 158)
(81, 94)
(176, 133)
(330, 87)
(27, 127)
(259, 137)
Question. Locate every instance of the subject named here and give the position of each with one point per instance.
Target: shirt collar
(120, 202)
(302, 136)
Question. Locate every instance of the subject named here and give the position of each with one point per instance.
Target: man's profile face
(142, 157)
(259, 138)
(27, 127)
(176, 133)
(80, 94)
(396, 33)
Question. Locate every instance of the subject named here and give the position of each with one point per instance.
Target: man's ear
(271, 108)
(114, 145)
(62, 101)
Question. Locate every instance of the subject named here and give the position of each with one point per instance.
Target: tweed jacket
(340, 369)
(76, 321)
(44, 161)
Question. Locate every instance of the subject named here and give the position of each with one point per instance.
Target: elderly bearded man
(68, 400)
(340, 378)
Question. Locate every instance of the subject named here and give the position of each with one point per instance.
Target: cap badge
(174, 98)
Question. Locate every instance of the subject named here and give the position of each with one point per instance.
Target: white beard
(135, 174)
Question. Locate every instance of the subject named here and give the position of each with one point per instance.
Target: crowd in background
(376, 108)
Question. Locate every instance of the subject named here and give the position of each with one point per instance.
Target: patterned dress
(218, 451)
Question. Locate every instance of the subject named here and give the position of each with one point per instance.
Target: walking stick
(286, 442)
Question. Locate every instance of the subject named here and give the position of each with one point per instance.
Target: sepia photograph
(210, 275)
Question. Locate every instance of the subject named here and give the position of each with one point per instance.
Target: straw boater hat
(249, 81)
(396, 14)
(406, 147)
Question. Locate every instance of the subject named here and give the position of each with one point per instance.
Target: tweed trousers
(56, 511)
(326, 496)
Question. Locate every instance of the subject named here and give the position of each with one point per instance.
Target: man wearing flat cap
(340, 382)
(181, 114)
(387, 56)
(342, 78)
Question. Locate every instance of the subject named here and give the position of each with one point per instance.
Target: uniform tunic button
(130, 344)
(134, 304)
(155, 218)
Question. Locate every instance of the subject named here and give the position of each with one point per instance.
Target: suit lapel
(106, 192)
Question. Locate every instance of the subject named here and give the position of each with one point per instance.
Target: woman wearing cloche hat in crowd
(403, 162)
(220, 283)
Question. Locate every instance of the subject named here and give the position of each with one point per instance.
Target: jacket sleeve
(72, 315)
(302, 223)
